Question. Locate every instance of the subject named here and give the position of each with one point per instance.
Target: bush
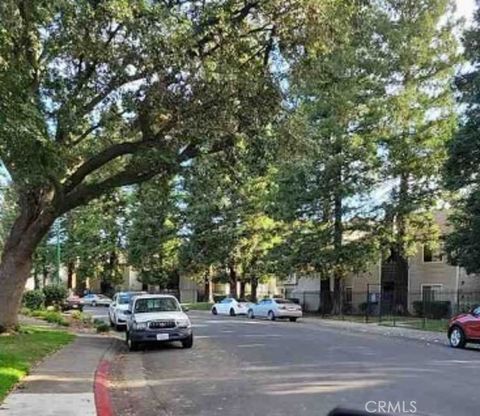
(52, 317)
(81, 317)
(55, 294)
(372, 308)
(34, 299)
(101, 326)
(439, 309)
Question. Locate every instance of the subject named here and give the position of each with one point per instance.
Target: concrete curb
(103, 402)
(101, 383)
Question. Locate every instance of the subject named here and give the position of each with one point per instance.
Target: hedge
(439, 309)
(55, 294)
(34, 299)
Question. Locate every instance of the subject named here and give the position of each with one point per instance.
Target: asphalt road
(240, 367)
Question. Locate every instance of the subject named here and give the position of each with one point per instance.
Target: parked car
(73, 302)
(116, 310)
(465, 328)
(275, 308)
(230, 306)
(157, 318)
(93, 299)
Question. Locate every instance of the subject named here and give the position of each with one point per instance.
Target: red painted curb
(103, 402)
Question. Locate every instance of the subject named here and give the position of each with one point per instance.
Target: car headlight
(139, 325)
(121, 315)
(183, 323)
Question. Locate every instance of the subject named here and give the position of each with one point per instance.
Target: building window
(348, 295)
(436, 255)
(431, 293)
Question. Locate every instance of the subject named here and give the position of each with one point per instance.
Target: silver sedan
(275, 308)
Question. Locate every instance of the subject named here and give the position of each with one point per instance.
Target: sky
(465, 8)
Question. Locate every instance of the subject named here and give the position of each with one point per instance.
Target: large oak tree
(96, 95)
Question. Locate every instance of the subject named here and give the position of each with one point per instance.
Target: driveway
(241, 367)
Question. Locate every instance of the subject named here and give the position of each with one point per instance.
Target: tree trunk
(243, 283)
(337, 294)
(233, 281)
(36, 278)
(16, 263)
(254, 287)
(209, 288)
(338, 246)
(70, 272)
(401, 279)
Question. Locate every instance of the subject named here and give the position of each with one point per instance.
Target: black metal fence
(430, 308)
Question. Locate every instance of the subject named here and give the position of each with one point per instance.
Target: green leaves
(153, 240)
(462, 168)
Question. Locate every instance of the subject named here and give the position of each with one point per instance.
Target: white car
(157, 318)
(230, 306)
(116, 310)
(93, 299)
(275, 308)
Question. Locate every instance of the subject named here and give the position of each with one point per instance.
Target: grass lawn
(18, 352)
(434, 325)
(199, 306)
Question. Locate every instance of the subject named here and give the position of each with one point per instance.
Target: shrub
(101, 326)
(371, 306)
(34, 299)
(438, 309)
(81, 317)
(52, 317)
(55, 294)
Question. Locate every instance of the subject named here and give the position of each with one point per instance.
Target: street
(252, 367)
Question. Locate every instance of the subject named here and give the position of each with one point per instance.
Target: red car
(72, 302)
(465, 328)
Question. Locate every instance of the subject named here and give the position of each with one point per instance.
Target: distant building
(428, 276)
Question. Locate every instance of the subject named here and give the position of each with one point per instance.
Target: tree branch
(88, 192)
(101, 159)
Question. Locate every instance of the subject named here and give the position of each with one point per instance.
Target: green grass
(433, 325)
(347, 318)
(199, 306)
(19, 351)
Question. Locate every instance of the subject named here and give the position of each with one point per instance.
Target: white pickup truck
(157, 318)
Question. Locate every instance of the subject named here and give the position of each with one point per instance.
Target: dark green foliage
(419, 116)
(462, 170)
(153, 240)
(34, 299)
(439, 309)
(52, 317)
(54, 294)
(102, 327)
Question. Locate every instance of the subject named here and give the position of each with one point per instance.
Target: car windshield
(156, 305)
(124, 299)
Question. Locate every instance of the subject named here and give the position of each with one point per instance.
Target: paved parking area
(244, 367)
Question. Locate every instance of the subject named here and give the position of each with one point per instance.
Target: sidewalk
(376, 329)
(63, 383)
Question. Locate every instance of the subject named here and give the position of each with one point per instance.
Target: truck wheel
(188, 342)
(132, 345)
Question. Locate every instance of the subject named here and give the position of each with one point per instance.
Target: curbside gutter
(101, 383)
(103, 403)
